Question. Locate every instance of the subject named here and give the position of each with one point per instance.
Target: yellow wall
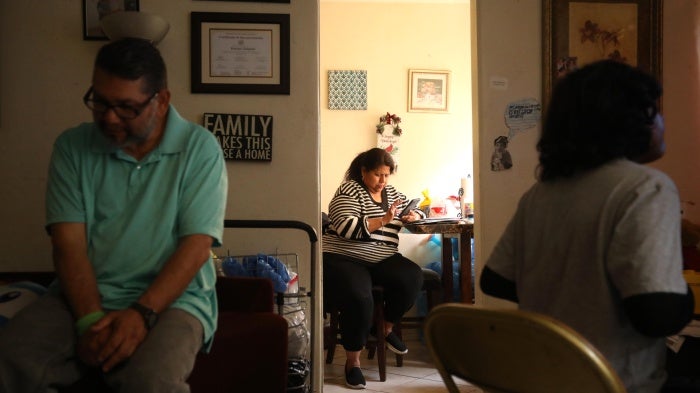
(387, 40)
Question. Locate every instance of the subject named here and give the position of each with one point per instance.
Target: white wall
(45, 68)
(508, 45)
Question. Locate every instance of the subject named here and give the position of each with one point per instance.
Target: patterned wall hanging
(347, 90)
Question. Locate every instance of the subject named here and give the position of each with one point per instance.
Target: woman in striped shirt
(360, 249)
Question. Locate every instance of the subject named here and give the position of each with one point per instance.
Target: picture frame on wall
(578, 32)
(239, 53)
(428, 90)
(95, 10)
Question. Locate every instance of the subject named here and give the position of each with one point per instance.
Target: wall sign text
(242, 137)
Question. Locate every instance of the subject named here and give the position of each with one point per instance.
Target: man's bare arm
(192, 252)
(73, 268)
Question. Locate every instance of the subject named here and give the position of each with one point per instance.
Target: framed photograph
(236, 53)
(95, 10)
(578, 32)
(428, 90)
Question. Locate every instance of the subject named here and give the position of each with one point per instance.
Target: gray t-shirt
(576, 247)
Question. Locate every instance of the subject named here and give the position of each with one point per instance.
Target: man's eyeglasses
(126, 112)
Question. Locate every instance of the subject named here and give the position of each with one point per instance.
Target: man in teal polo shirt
(135, 200)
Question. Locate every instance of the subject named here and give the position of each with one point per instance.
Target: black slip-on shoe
(354, 378)
(395, 345)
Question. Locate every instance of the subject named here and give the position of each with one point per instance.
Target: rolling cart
(291, 299)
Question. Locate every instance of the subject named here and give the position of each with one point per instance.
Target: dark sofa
(250, 346)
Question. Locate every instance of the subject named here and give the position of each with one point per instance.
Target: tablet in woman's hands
(411, 205)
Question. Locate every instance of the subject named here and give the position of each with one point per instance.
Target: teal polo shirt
(135, 211)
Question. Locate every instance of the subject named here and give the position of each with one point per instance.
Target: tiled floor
(418, 374)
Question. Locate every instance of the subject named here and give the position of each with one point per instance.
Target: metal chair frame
(514, 351)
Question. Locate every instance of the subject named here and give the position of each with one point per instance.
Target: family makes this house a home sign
(242, 137)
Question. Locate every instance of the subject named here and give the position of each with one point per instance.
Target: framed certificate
(237, 53)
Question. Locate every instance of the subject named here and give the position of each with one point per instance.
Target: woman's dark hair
(369, 160)
(599, 113)
(131, 59)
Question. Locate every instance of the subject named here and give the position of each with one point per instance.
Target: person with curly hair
(595, 243)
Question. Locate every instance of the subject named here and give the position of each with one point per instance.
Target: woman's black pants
(347, 284)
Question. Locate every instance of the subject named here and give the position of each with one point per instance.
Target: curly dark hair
(599, 113)
(131, 59)
(369, 160)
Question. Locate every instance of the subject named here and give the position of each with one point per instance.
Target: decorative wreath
(392, 120)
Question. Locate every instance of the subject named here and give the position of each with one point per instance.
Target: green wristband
(88, 320)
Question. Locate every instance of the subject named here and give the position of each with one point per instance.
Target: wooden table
(465, 230)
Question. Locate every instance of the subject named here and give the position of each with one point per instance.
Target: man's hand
(90, 344)
(125, 331)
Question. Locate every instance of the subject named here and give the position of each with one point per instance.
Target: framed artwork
(428, 90)
(578, 32)
(95, 10)
(347, 90)
(237, 53)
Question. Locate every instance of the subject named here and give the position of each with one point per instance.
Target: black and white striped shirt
(348, 235)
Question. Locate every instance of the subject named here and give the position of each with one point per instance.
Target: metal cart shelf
(290, 303)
